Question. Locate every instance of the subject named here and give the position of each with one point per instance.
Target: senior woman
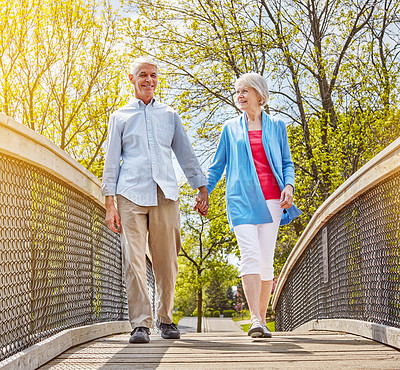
(254, 149)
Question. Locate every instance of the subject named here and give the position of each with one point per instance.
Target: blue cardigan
(245, 202)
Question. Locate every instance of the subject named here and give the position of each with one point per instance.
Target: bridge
(62, 296)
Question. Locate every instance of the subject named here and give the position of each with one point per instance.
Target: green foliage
(270, 326)
(61, 72)
(333, 71)
(242, 315)
(228, 313)
(176, 316)
(206, 243)
(217, 297)
(216, 314)
(185, 295)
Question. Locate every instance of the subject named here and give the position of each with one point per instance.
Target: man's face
(145, 82)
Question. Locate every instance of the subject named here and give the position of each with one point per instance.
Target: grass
(176, 316)
(242, 316)
(270, 326)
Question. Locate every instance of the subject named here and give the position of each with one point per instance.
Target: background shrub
(228, 313)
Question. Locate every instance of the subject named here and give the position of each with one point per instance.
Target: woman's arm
(287, 163)
(286, 199)
(218, 164)
(214, 174)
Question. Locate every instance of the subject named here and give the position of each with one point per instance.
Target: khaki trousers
(160, 227)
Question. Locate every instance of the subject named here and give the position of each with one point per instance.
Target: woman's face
(247, 98)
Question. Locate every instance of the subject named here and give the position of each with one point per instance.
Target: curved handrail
(376, 170)
(23, 143)
(60, 267)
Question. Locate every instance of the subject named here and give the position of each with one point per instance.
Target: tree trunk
(199, 312)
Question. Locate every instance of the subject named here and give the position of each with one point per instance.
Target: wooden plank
(317, 364)
(327, 350)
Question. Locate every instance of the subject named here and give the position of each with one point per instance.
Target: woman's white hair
(257, 82)
(134, 66)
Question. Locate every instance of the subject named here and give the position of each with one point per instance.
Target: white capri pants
(257, 244)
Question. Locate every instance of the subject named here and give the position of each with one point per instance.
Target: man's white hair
(134, 66)
(257, 82)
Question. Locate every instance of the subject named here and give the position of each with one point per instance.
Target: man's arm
(186, 156)
(110, 175)
(112, 159)
(190, 165)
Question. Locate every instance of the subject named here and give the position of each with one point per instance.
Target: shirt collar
(137, 103)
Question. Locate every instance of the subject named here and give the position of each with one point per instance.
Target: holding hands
(201, 200)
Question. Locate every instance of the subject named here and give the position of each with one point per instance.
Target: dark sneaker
(267, 333)
(169, 331)
(256, 329)
(140, 335)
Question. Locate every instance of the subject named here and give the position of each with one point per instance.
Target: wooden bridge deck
(286, 350)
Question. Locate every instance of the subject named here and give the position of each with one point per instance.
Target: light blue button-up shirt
(140, 142)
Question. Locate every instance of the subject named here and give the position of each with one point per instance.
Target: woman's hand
(286, 200)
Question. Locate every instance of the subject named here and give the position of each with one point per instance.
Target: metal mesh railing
(60, 267)
(351, 268)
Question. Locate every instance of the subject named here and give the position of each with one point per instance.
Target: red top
(269, 185)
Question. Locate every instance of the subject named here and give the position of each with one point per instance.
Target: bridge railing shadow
(346, 265)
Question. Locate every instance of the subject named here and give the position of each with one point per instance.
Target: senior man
(138, 170)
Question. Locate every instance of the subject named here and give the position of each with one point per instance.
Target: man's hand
(201, 199)
(113, 220)
(286, 200)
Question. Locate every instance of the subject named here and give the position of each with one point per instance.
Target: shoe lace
(141, 329)
(166, 326)
(256, 322)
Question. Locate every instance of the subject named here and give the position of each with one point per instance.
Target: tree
(216, 296)
(205, 247)
(333, 68)
(61, 72)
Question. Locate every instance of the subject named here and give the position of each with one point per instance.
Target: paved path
(203, 351)
(210, 325)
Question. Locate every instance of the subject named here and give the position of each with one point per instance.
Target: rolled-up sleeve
(112, 159)
(186, 156)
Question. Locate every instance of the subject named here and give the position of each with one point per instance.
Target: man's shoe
(267, 333)
(169, 331)
(140, 335)
(256, 329)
